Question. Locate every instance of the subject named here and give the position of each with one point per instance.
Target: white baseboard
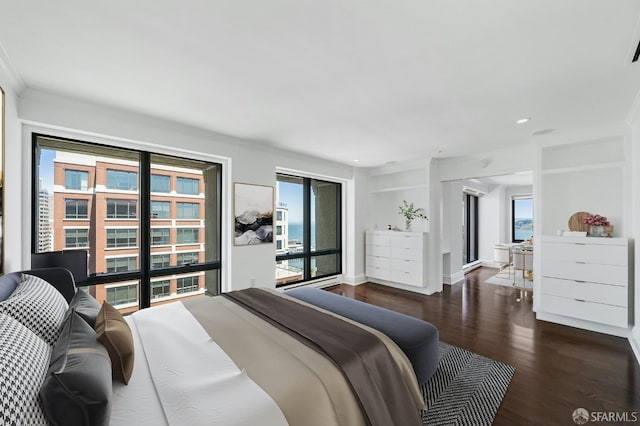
(453, 278)
(634, 341)
(585, 325)
(411, 288)
(354, 280)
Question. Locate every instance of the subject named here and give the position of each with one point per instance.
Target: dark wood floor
(558, 368)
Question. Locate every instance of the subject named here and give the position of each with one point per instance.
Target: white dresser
(396, 257)
(586, 278)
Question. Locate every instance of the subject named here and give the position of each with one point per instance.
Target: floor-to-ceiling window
(470, 228)
(308, 229)
(521, 218)
(150, 223)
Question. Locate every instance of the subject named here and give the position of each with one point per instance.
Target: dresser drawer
(377, 250)
(377, 272)
(590, 292)
(378, 261)
(406, 265)
(411, 241)
(377, 238)
(603, 274)
(406, 253)
(585, 253)
(589, 311)
(406, 277)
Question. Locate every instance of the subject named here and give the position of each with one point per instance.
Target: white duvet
(182, 377)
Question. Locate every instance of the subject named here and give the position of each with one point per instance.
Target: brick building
(95, 207)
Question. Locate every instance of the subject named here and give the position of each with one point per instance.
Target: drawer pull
(579, 300)
(580, 282)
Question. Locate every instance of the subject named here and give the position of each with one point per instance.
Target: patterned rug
(506, 278)
(466, 389)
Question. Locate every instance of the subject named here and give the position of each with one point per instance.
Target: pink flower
(596, 220)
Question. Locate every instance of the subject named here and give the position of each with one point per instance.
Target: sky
(46, 168)
(524, 209)
(291, 195)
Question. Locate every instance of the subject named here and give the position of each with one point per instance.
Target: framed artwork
(253, 214)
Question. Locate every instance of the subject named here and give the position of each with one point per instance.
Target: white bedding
(181, 376)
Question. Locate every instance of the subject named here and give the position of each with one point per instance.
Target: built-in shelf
(601, 166)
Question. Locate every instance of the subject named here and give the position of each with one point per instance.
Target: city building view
(94, 207)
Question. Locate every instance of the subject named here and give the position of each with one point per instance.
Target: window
(76, 238)
(186, 258)
(76, 180)
(160, 289)
(76, 209)
(160, 209)
(313, 225)
(77, 164)
(122, 295)
(470, 228)
(279, 230)
(121, 209)
(188, 236)
(187, 186)
(122, 238)
(122, 180)
(521, 219)
(187, 284)
(188, 210)
(160, 236)
(122, 264)
(160, 183)
(160, 261)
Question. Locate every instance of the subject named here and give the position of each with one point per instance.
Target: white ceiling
(521, 178)
(371, 80)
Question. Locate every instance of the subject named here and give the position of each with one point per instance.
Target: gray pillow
(86, 306)
(8, 284)
(77, 388)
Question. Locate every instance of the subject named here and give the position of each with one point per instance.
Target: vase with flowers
(596, 224)
(409, 212)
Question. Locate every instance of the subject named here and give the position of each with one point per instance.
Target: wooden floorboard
(558, 368)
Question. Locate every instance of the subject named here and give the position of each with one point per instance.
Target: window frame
(119, 201)
(117, 240)
(179, 186)
(76, 216)
(152, 189)
(180, 205)
(76, 238)
(144, 273)
(515, 198)
(128, 174)
(163, 217)
(307, 254)
(80, 181)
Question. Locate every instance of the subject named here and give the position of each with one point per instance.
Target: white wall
(13, 218)
(491, 218)
(243, 161)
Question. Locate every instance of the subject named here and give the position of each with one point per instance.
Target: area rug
(506, 278)
(466, 389)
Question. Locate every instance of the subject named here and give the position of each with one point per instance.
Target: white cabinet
(586, 278)
(398, 257)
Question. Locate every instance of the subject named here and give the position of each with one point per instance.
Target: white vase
(596, 231)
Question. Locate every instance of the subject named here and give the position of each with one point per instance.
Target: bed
(210, 360)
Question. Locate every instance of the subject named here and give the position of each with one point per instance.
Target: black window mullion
(306, 226)
(145, 229)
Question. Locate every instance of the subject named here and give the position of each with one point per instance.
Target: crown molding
(16, 82)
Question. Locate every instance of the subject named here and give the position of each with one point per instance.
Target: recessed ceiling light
(523, 120)
(542, 132)
(355, 161)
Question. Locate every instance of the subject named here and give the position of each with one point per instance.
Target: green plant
(409, 212)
